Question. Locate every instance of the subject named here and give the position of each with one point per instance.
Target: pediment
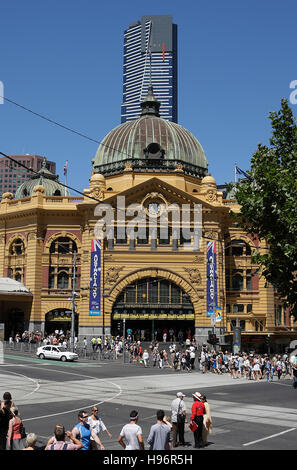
(155, 188)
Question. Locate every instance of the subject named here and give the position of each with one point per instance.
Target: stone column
(34, 278)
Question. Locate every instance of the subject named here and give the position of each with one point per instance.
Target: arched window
(238, 248)
(17, 247)
(60, 276)
(63, 280)
(63, 245)
(237, 281)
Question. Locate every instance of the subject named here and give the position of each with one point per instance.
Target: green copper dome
(45, 178)
(150, 142)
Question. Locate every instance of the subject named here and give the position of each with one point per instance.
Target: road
(246, 415)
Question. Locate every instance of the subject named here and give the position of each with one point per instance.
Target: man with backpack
(58, 442)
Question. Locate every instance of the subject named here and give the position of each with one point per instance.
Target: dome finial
(150, 105)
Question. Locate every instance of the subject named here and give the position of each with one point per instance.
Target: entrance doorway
(14, 323)
(60, 320)
(150, 306)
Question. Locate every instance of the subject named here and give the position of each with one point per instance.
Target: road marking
(269, 437)
(50, 362)
(31, 380)
(78, 409)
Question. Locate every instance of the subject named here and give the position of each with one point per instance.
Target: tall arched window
(63, 280)
(63, 245)
(61, 263)
(17, 247)
(16, 260)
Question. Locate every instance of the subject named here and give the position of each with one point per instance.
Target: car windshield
(62, 349)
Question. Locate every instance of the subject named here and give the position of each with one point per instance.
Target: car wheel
(41, 356)
(63, 358)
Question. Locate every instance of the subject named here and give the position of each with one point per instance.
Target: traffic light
(212, 338)
(267, 340)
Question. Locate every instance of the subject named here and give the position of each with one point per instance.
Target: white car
(56, 352)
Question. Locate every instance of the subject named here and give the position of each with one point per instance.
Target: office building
(150, 52)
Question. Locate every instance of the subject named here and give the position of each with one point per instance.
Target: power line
(63, 126)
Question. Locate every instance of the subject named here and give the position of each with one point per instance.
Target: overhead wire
(56, 123)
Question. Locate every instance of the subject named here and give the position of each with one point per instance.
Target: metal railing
(83, 353)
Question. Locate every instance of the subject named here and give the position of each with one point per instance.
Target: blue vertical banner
(95, 279)
(211, 275)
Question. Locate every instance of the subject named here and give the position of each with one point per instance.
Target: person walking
(14, 438)
(198, 411)
(145, 358)
(5, 416)
(96, 425)
(178, 420)
(83, 432)
(269, 371)
(160, 434)
(207, 421)
(130, 437)
(294, 374)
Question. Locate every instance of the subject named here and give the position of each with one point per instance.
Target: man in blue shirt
(83, 432)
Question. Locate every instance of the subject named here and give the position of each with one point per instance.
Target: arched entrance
(59, 320)
(14, 323)
(151, 305)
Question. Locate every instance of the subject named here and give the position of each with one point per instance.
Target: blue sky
(64, 59)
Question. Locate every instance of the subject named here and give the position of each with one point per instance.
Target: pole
(73, 302)
(124, 334)
(102, 290)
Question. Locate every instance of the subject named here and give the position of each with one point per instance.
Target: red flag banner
(163, 51)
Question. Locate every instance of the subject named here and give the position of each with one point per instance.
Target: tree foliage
(269, 204)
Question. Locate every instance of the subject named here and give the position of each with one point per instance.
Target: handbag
(193, 426)
(23, 431)
(180, 419)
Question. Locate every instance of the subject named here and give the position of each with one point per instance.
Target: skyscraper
(150, 52)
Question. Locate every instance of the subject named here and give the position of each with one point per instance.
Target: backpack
(64, 447)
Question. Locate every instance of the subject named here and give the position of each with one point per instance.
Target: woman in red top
(198, 410)
(14, 438)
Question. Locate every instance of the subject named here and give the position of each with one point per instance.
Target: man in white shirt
(132, 434)
(178, 420)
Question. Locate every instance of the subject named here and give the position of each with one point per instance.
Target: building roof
(8, 285)
(45, 178)
(131, 142)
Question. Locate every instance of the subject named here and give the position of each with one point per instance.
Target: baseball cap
(180, 394)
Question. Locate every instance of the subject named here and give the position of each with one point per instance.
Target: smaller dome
(209, 180)
(45, 178)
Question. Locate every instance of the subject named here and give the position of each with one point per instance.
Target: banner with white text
(211, 275)
(95, 279)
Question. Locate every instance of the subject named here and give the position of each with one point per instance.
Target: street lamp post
(72, 334)
(124, 334)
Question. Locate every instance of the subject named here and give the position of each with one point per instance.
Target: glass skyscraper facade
(150, 53)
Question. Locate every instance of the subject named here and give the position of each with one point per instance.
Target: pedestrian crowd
(248, 366)
(166, 434)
